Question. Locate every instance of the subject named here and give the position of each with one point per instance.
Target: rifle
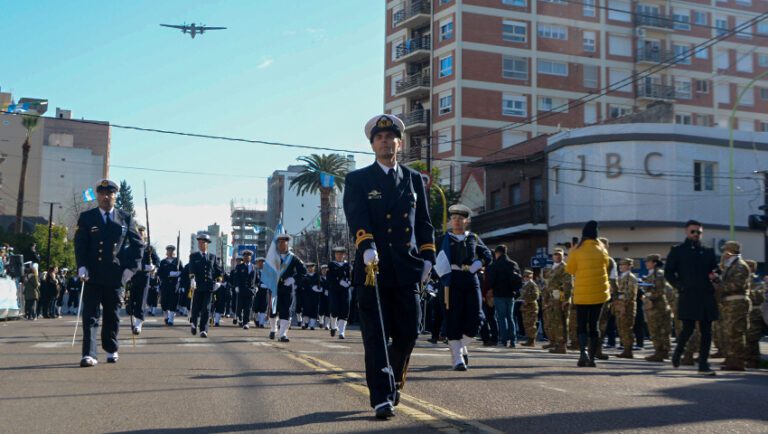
(148, 250)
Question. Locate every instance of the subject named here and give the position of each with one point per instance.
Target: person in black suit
(108, 251)
(262, 296)
(205, 269)
(386, 209)
(339, 281)
(169, 272)
(244, 281)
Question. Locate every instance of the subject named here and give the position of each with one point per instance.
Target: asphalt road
(240, 381)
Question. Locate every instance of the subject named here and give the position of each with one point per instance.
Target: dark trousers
(438, 316)
(244, 305)
(30, 308)
(261, 300)
(489, 331)
(201, 309)
(464, 314)
(169, 298)
(221, 300)
(639, 327)
(311, 302)
(339, 299)
(136, 303)
(705, 327)
(74, 298)
(401, 315)
(284, 301)
(108, 298)
(587, 318)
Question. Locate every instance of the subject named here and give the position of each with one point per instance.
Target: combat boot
(558, 349)
(655, 357)
(599, 353)
(529, 343)
(733, 365)
(547, 346)
(626, 354)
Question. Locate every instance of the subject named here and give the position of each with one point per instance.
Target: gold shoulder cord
(371, 270)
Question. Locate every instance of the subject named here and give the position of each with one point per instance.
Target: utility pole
(50, 232)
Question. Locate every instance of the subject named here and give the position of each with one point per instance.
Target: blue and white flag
(443, 262)
(88, 195)
(18, 108)
(326, 180)
(274, 266)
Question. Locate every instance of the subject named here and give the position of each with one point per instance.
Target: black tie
(107, 219)
(393, 175)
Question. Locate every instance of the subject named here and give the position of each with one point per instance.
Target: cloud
(266, 63)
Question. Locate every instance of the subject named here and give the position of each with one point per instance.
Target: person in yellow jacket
(588, 264)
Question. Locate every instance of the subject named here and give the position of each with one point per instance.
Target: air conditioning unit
(640, 32)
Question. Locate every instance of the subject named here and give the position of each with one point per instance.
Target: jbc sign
(614, 168)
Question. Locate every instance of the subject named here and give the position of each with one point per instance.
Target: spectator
(489, 331)
(588, 264)
(505, 282)
(31, 292)
(49, 292)
(690, 267)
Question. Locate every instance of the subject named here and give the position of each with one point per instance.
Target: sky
(304, 72)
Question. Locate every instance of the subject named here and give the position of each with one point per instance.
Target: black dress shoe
(193, 330)
(466, 359)
(460, 367)
(272, 335)
(333, 332)
(676, 359)
(385, 412)
(284, 339)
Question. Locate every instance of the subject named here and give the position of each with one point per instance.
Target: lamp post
(731, 214)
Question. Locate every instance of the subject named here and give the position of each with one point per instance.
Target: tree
(125, 199)
(29, 121)
(62, 250)
(435, 198)
(309, 181)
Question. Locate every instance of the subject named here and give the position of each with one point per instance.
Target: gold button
(389, 216)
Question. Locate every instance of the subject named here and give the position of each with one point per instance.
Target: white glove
(476, 266)
(174, 274)
(326, 292)
(344, 283)
(315, 288)
(216, 286)
(149, 267)
(237, 290)
(427, 269)
(82, 273)
(289, 281)
(370, 255)
(127, 274)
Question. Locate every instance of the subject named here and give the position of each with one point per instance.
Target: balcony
(656, 21)
(415, 14)
(654, 55)
(416, 120)
(653, 91)
(534, 213)
(414, 86)
(414, 50)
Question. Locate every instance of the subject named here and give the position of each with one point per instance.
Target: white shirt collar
(385, 168)
(459, 237)
(110, 212)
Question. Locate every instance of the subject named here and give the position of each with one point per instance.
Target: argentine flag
(88, 195)
(274, 267)
(326, 180)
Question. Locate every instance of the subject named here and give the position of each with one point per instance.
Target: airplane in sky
(192, 29)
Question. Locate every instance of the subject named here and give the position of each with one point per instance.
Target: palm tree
(309, 181)
(29, 121)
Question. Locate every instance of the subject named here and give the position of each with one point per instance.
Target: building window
(552, 31)
(590, 113)
(446, 102)
(553, 68)
(681, 19)
(549, 104)
(721, 59)
(619, 46)
(723, 93)
(700, 18)
(680, 51)
(762, 60)
(703, 121)
(446, 29)
(589, 43)
(762, 27)
(396, 79)
(744, 61)
(748, 98)
(559, 2)
(519, 3)
(746, 33)
(495, 199)
(702, 53)
(704, 175)
(683, 88)
(746, 125)
(702, 86)
(764, 93)
(446, 66)
(537, 189)
(515, 68)
(721, 24)
(515, 195)
(514, 105)
(619, 10)
(588, 8)
(590, 76)
(514, 31)
(617, 111)
(764, 127)
(683, 119)
(444, 140)
(621, 79)
(511, 137)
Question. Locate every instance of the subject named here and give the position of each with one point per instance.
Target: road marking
(52, 344)
(448, 422)
(335, 346)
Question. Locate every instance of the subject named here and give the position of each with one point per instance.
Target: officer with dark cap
(140, 285)
(244, 281)
(169, 272)
(339, 281)
(262, 295)
(204, 268)
(387, 213)
(108, 251)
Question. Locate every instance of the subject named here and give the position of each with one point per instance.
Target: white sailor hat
(384, 122)
(338, 249)
(204, 237)
(310, 264)
(107, 184)
(170, 247)
(459, 209)
(247, 253)
(260, 258)
(285, 237)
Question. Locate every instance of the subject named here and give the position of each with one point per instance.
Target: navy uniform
(460, 257)
(244, 281)
(387, 213)
(185, 291)
(222, 294)
(339, 281)
(73, 290)
(293, 271)
(108, 250)
(204, 268)
(169, 272)
(261, 300)
(323, 305)
(140, 286)
(310, 290)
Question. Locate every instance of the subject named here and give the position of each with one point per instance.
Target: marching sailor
(108, 251)
(244, 281)
(462, 254)
(262, 295)
(204, 268)
(140, 282)
(323, 307)
(291, 270)
(387, 213)
(339, 281)
(169, 272)
(311, 291)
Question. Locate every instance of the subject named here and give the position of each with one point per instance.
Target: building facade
(457, 69)
(219, 244)
(249, 228)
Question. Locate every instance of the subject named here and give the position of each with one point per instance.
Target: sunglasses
(696, 232)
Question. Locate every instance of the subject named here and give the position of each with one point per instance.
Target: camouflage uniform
(657, 314)
(530, 310)
(546, 307)
(625, 308)
(560, 288)
(734, 289)
(755, 329)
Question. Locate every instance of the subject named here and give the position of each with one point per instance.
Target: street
(240, 381)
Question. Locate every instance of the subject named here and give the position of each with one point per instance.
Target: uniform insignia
(384, 122)
(105, 183)
(94, 229)
(374, 194)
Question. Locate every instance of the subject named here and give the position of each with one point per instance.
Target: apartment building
(249, 229)
(458, 71)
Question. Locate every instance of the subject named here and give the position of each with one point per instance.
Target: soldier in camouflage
(625, 306)
(530, 310)
(657, 312)
(560, 288)
(606, 312)
(733, 288)
(755, 329)
(546, 310)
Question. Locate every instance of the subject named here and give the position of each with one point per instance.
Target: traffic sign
(541, 262)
